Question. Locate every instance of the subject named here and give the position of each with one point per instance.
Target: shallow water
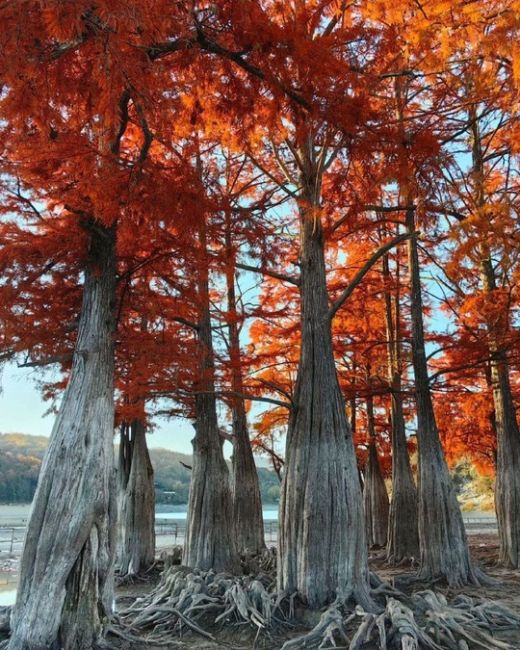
(180, 513)
(7, 594)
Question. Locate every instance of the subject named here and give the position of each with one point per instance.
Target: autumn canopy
(295, 224)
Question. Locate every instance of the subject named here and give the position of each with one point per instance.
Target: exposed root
(329, 628)
(430, 623)
(173, 558)
(5, 617)
(264, 563)
(186, 600)
(193, 600)
(130, 579)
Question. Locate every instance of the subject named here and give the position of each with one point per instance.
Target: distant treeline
(21, 456)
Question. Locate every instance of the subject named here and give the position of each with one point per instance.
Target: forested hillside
(20, 460)
(21, 456)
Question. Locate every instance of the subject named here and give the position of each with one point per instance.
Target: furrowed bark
(137, 503)
(66, 577)
(444, 552)
(443, 545)
(403, 535)
(245, 487)
(210, 541)
(375, 496)
(322, 551)
(507, 485)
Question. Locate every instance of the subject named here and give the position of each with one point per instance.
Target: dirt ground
(242, 637)
(484, 550)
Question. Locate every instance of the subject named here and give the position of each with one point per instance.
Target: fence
(177, 530)
(11, 541)
(11, 537)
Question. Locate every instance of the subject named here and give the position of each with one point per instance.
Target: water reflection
(7, 594)
(8, 582)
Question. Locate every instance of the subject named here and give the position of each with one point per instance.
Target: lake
(7, 596)
(16, 515)
(166, 511)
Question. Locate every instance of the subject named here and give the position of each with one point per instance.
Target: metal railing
(177, 529)
(11, 537)
(11, 541)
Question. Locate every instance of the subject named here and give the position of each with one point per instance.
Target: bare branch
(365, 269)
(58, 358)
(273, 274)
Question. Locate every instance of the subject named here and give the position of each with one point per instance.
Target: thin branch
(365, 269)
(273, 274)
(253, 398)
(58, 358)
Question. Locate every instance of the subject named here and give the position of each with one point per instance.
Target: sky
(22, 410)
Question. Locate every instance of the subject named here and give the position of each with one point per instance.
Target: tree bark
(444, 552)
(137, 503)
(507, 484)
(322, 550)
(245, 486)
(210, 540)
(66, 577)
(375, 496)
(403, 534)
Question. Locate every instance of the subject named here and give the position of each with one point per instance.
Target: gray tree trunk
(444, 552)
(375, 496)
(507, 484)
(137, 503)
(66, 577)
(322, 550)
(245, 486)
(403, 534)
(210, 532)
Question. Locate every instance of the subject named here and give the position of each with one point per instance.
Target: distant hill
(21, 456)
(20, 460)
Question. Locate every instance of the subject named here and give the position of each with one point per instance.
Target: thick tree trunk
(137, 503)
(124, 465)
(245, 489)
(444, 552)
(210, 540)
(403, 534)
(375, 496)
(322, 540)
(507, 485)
(66, 578)
(245, 486)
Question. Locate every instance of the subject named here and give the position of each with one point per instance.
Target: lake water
(164, 511)
(7, 588)
(7, 597)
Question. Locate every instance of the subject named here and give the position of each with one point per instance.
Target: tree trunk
(507, 485)
(210, 541)
(403, 535)
(137, 504)
(245, 486)
(66, 577)
(322, 540)
(375, 496)
(124, 465)
(444, 552)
